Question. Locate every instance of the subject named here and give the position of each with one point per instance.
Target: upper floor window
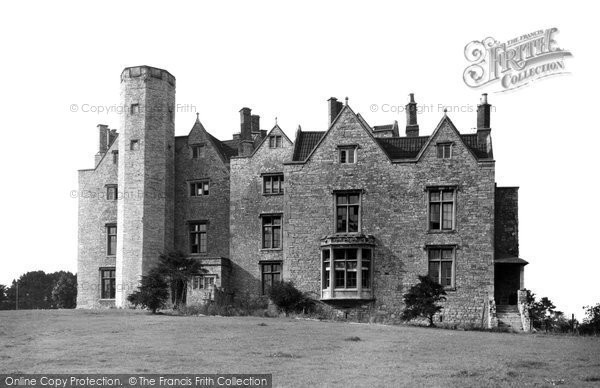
(441, 265)
(441, 208)
(111, 192)
(273, 184)
(197, 151)
(198, 188)
(347, 154)
(444, 150)
(271, 231)
(347, 207)
(115, 155)
(275, 141)
(135, 109)
(111, 239)
(134, 145)
(197, 237)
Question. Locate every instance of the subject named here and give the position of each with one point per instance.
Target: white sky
(285, 60)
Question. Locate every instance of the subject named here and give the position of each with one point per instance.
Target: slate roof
(402, 147)
(305, 143)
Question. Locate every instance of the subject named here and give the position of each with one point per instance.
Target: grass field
(297, 352)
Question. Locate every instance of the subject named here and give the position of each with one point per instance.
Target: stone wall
(507, 220)
(95, 211)
(394, 210)
(247, 204)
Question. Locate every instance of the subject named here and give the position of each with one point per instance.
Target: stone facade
(271, 208)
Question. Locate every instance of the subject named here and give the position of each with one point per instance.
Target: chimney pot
(335, 107)
(412, 127)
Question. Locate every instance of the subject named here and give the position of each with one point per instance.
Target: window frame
(199, 282)
(134, 109)
(115, 155)
(275, 141)
(198, 150)
(440, 260)
(200, 232)
(193, 188)
(344, 153)
(441, 150)
(362, 287)
(112, 192)
(112, 290)
(134, 144)
(440, 190)
(270, 274)
(109, 239)
(347, 205)
(272, 226)
(268, 187)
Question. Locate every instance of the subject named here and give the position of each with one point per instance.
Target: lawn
(297, 352)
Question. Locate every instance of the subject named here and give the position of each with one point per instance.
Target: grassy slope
(297, 352)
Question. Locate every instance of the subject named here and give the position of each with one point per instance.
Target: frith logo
(515, 63)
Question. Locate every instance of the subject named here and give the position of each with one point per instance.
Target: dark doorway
(506, 283)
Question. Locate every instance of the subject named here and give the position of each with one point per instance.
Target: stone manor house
(351, 213)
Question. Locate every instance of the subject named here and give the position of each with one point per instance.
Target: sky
(62, 62)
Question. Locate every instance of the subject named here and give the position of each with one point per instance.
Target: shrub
(422, 298)
(289, 299)
(152, 294)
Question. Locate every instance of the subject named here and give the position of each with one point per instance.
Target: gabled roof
(263, 139)
(226, 149)
(305, 143)
(402, 147)
(480, 151)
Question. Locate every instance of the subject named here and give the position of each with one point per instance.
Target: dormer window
(347, 154)
(275, 141)
(444, 150)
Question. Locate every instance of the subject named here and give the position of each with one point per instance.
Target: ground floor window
(441, 265)
(346, 268)
(271, 273)
(203, 282)
(108, 282)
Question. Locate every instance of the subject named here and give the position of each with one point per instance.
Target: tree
(422, 298)
(177, 270)
(64, 293)
(153, 292)
(4, 303)
(591, 322)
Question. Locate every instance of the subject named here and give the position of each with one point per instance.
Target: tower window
(441, 265)
(111, 240)
(135, 109)
(271, 231)
(441, 208)
(134, 145)
(107, 277)
(115, 155)
(198, 189)
(111, 192)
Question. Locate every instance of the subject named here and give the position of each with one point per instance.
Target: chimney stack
(104, 132)
(483, 122)
(335, 107)
(246, 145)
(112, 135)
(255, 123)
(412, 128)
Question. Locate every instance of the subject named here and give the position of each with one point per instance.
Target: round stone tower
(146, 174)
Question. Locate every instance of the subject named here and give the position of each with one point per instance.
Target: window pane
(339, 254)
(366, 280)
(201, 227)
(342, 199)
(339, 279)
(366, 254)
(350, 254)
(434, 195)
(203, 242)
(267, 236)
(350, 156)
(446, 276)
(447, 254)
(353, 219)
(434, 254)
(351, 280)
(448, 195)
(206, 188)
(276, 220)
(276, 237)
(193, 189)
(267, 188)
(278, 141)
(353, 198)
(447, 216)
(434, 216)
(342, 156)
(434, 270)
(440, 151)
(326, 254)
(341, 219)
